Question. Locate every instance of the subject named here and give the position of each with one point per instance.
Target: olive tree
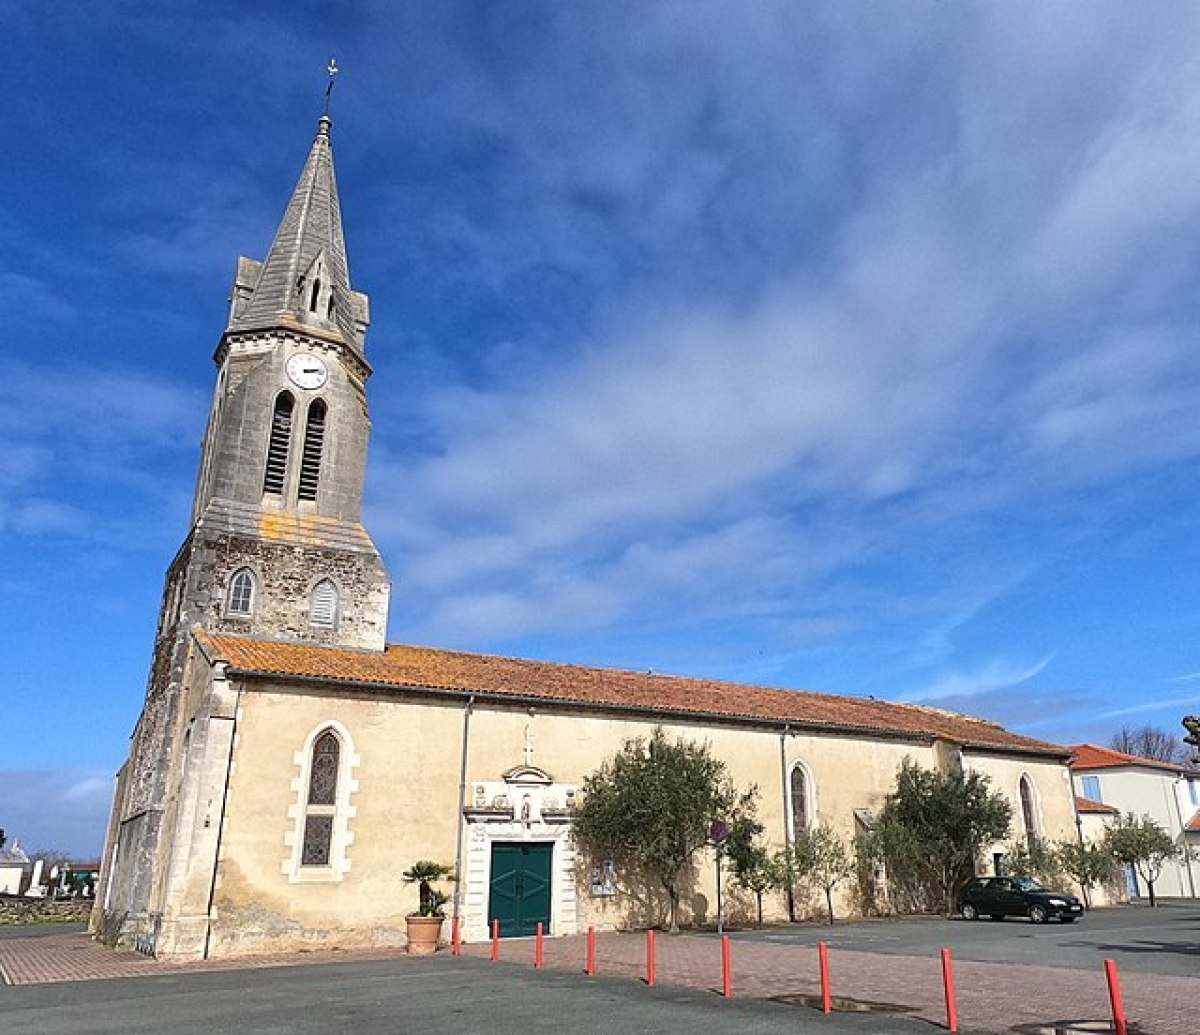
(650, 807)
(823, 860)
(1086, 864)
(754, 867)
(1143, 844)
(933, 826)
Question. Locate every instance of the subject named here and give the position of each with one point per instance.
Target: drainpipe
(462, 804)
(787, 829)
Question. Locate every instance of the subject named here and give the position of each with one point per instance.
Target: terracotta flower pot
(423, 934)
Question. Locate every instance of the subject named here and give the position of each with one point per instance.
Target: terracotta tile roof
(1193, 824)
(1087, 805)
(1090, 756)
(500, 677)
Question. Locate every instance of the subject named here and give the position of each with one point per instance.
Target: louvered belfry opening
(322, 613)
(277, 448)
(310, 458)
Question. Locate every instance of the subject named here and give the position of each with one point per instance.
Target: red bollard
(650, 957)
(537, 952)
(590, 967)
(826, 998)
(948, 984)
(1114, 996)
(495, 940)
(456, 936)
(726, 968)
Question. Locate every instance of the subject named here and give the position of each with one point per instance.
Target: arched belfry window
(279, 444)
(240, 600)
(322, 800)
(315, 297)
(322, 610)
(798, 804)
(1029, 810)
(310, 456)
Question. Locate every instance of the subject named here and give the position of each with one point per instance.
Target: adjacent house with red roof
(1109, 782)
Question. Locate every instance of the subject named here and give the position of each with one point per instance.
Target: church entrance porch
(519, 859)
(520, 888)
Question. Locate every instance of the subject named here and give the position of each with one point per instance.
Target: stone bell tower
(276, 548)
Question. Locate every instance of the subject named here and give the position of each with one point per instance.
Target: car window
(1027, 884)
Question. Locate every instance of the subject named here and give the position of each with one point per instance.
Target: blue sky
(851, 347)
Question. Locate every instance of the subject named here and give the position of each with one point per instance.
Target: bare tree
(1150, 742)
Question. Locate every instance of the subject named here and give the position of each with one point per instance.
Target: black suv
(999, 897)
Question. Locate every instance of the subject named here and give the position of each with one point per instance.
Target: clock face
(307, 370)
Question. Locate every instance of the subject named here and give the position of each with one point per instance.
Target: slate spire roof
(309, 247)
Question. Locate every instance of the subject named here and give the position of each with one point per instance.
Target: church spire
(305, 278)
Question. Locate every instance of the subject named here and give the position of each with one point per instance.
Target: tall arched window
(798, 792)
(322, 800)
(310, 456)
(279, 444)
(322, 610)
(316, 296)
(241, 593)
(1029, 810)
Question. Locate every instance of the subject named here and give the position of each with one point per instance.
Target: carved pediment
(528, 776)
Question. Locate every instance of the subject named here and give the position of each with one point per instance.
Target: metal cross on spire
(333, 71)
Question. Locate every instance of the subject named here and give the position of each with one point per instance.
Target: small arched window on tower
(279, 445)
(322, 610)
(310, 457)
(1029, 811)
(329, 307)
(798, 792)
(241, 593)
(322, 800)
(316, 296)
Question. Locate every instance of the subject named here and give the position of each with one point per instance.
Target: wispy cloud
(997, 674)
(1147, 706)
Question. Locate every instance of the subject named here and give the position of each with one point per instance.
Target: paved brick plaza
(991, 996)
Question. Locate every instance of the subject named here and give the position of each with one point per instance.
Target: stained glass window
(322, 800)
(322, 781)
(799, 794)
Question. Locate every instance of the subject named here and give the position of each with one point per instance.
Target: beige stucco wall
(401, 769)
(1053, 798)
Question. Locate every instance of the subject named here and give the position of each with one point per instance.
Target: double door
(520, 887)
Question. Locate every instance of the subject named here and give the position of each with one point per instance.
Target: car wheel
(969, 912)
(1038, 914)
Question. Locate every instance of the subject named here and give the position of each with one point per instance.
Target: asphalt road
(1164, 940)
(404, 996)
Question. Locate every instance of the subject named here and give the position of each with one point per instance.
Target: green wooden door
(520, 888)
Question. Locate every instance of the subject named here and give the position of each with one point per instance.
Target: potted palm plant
(425, 925)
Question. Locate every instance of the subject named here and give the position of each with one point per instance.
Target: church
(289, 764)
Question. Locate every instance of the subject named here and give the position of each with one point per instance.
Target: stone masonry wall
(16, 911)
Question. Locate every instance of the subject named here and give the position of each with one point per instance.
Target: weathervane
(333, 71)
